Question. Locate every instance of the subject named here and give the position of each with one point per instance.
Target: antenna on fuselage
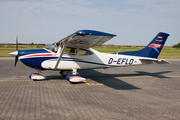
(119, 51)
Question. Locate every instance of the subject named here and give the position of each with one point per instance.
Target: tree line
(176, 45)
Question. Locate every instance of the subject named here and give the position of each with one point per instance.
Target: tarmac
(147, 92)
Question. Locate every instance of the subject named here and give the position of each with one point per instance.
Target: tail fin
(153, 49)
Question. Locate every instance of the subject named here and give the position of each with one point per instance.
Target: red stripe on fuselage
(39, 55)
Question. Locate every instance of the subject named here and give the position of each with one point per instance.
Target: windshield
(52, 47)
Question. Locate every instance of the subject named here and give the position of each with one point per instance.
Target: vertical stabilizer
(153, 49)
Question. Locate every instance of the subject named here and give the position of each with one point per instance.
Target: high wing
(87, 38)
(82, 39)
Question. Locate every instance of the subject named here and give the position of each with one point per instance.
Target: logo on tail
(157, 44)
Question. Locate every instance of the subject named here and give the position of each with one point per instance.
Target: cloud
(42, 17)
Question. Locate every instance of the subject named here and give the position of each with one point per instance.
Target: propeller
(15, 53)
(16, 57)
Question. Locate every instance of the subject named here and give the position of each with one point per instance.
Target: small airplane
(73, 53)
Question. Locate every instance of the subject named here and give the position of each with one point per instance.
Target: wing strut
(61, 52)
(64, 44)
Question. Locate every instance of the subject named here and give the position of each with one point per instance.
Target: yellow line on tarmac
(86, 82)
(92, 83)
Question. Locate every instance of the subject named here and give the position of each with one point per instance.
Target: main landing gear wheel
(64, 73)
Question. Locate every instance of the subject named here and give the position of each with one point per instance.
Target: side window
(70, 51)
(73, 51)
(85, 52)
(82, 52)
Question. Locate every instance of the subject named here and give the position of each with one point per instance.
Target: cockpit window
(52, 47)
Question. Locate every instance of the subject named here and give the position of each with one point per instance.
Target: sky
(135, 22)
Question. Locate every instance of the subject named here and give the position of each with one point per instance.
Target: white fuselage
(96, 60)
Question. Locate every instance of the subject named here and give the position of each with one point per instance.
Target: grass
(167, 52)
(170, 53)
(6, 49)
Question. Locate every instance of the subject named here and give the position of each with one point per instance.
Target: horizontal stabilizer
(150, 61)
(161, 61)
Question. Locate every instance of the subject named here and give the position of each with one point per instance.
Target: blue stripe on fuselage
(31, 51)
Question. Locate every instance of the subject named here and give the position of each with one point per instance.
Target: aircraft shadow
(108, 79)
(157, 74)
(112, 82)
(53, 77)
